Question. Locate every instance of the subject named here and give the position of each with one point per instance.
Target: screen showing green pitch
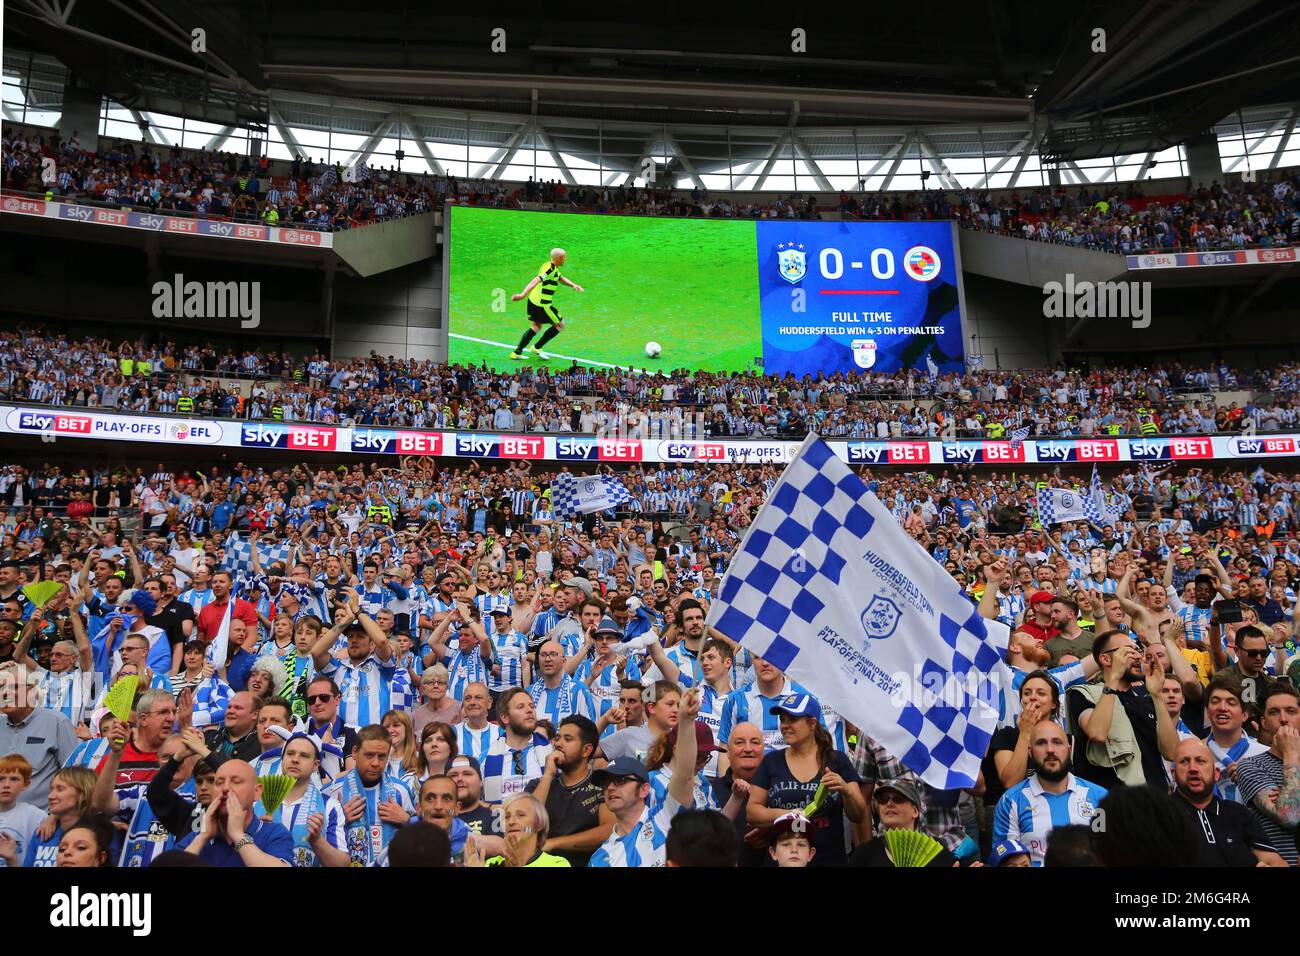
(685, 284)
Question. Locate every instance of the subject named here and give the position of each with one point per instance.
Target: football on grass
(652, 349)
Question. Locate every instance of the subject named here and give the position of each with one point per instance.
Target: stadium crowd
(439, 667)
(174, 379)
(314, 195)
(151, 178)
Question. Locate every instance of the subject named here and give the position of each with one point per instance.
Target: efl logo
(50, 422)
(1262, 446)
(304, 237)
(575, 449)
(1165, 449)
(1276, 255)
(1100, 450)
(30, 207)
(194, 433)
(1222, 258)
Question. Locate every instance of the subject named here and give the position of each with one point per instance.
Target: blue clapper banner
(829, 588)
(850, 296)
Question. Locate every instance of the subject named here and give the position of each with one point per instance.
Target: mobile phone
(1229, 611)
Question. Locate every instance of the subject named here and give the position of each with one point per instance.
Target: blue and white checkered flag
(829, 588)
(1019, 435)
(239, 553)
(1064, 504)
(574, 494)
(1104, 510)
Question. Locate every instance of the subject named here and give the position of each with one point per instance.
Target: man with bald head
(744, 754)
(1230, 834)
(230, 834)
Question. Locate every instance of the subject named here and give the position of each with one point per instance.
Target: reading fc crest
(791, 264)
(881, 618)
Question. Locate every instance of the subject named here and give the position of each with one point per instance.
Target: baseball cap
(443, 577)
(1004, 849)
(620, 768)
(465, 760)
(798, 705)
(609, 626)
(793, 822)
(904, 787)
(582, 584)
(703, 737)
(500, 609)
(1041, 597)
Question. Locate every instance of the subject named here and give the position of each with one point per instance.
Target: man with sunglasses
(641, 827)
(1121, 736)
(327, 726)
(1248, 670)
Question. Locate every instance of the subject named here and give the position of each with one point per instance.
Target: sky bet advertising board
(718, 295)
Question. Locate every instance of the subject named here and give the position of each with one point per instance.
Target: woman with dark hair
(437, 750)
(810, 776)
(1007, 763)
(87, 843)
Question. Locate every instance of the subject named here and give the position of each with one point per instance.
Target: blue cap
(1003, 849)
(620, 767)
(798, 705)
(608, 625)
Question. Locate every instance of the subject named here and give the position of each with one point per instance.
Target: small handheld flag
(573, 495)
(1019, 435)
(121, 696)
(275, 787)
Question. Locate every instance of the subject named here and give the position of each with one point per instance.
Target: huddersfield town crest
(791, 263)
(881, 618)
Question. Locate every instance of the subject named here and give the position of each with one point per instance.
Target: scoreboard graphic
(858, 296)
(730, 295)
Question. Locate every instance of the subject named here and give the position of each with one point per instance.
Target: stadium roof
(704, 91)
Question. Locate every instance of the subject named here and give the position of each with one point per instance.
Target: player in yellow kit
(540, 292)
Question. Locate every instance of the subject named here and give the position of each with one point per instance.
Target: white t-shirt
(20, 822)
